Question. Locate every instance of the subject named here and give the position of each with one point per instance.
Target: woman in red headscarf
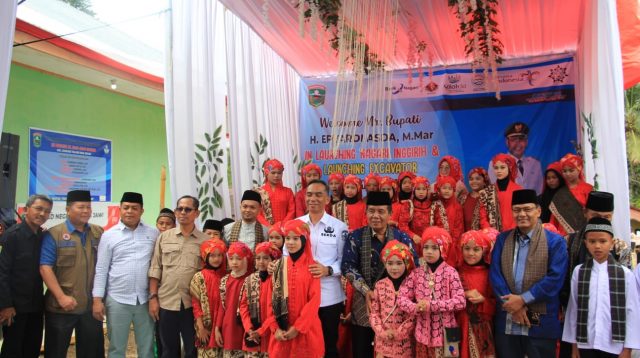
(496, 198)
(296, 330)
(476, 321)
(351, 210)
(278, 203)
(446, 213)
(568, 202)
(229, 330)
(254, 308)
(205, 296)
(415, 213)
(450, 166)
(309, 173)
(475, 214)
(405, 185)
(371, 183)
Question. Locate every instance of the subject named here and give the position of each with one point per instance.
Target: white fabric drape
(601, 94)
(7, 28)
(263, 101)
(195, 105)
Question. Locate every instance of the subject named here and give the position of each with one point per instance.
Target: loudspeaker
(9, 146)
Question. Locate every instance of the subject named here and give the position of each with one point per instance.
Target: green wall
(136, 129)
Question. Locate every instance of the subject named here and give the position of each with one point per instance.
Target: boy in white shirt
(604, 305)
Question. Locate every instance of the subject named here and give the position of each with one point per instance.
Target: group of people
(412, 269)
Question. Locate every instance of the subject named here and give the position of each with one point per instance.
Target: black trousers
(174, 324)
(57, 335)
(330, 319)
(508, 346)
(23, 338)
(362, 341)
(594, 353)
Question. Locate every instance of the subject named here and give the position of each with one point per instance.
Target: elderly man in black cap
(21, 299)
(247, 230)
(529, 169)
(362, 266)
(528, 266)
(121, 282)
(67, 266)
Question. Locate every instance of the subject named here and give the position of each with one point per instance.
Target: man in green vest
(67, 266)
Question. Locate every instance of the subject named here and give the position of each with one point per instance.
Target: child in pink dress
(433, 293)
(392, 326)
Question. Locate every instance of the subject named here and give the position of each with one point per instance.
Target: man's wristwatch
(153, 295)
(330, 270)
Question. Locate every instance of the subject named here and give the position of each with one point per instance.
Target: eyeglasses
(527, 210)
(41, 209)
(184, 209)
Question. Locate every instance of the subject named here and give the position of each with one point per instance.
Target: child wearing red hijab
(389, 185)
(449, 166)
(405, 183)
(276, 236)
(229, 330)
(309, 173)
(446, 213)
(573, 173)
(497, 197)
(296, 330)
(254, 308)
(393, 327)
(476, 321)
(475, 214)
(415, 213)
(336, 182)
(351, 210)
(205, 296)
(433, 293)
(371, 183)
(278, 203)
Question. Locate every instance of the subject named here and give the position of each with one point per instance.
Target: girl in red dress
(278, 203)
(351, 210)
(229, 330)
(371, 183)
(475, 214)
(476, 321)
(276, 236)
(446, 213)
(205, 296)
(449, 166)
(572, 171)
(504, 166)
(296, 330)
(393, 327)
(415, 213)
(254, 309)
(309, 173)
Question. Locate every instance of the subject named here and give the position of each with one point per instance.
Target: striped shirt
(124, 256)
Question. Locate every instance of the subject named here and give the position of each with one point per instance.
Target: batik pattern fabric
(445, 294)
(385, 315)
(205, 299)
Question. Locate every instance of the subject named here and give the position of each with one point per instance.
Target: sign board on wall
(60, 162)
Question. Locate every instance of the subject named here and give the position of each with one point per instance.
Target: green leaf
(219, 160)
(218, 199)
(206, 187)
(198, 180)
(200, 192)
(202, 170)
(210, 156)
(199, 157)
(216, 133)
(216, 141)
(265, 142)
(201, 147)
(205, 201)
(257, 147)
(295, 158)
(219, 182)
(220, 152)
(207, 137)
(215, 166)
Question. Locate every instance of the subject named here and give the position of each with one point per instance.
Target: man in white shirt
(529, 169)
(328, 235)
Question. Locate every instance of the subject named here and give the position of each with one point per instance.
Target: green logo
(37, 139)
(316, 95)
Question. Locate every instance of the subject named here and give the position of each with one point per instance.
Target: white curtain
(601, 94)
(263, 103)
(7, 28)
(195, 93)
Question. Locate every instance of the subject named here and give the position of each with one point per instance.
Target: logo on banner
(530, 76)
(454, 83)
(37, 139)
(558, 74)
(453, 78)
(317, 94)
(431, 87)
(106, 149)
